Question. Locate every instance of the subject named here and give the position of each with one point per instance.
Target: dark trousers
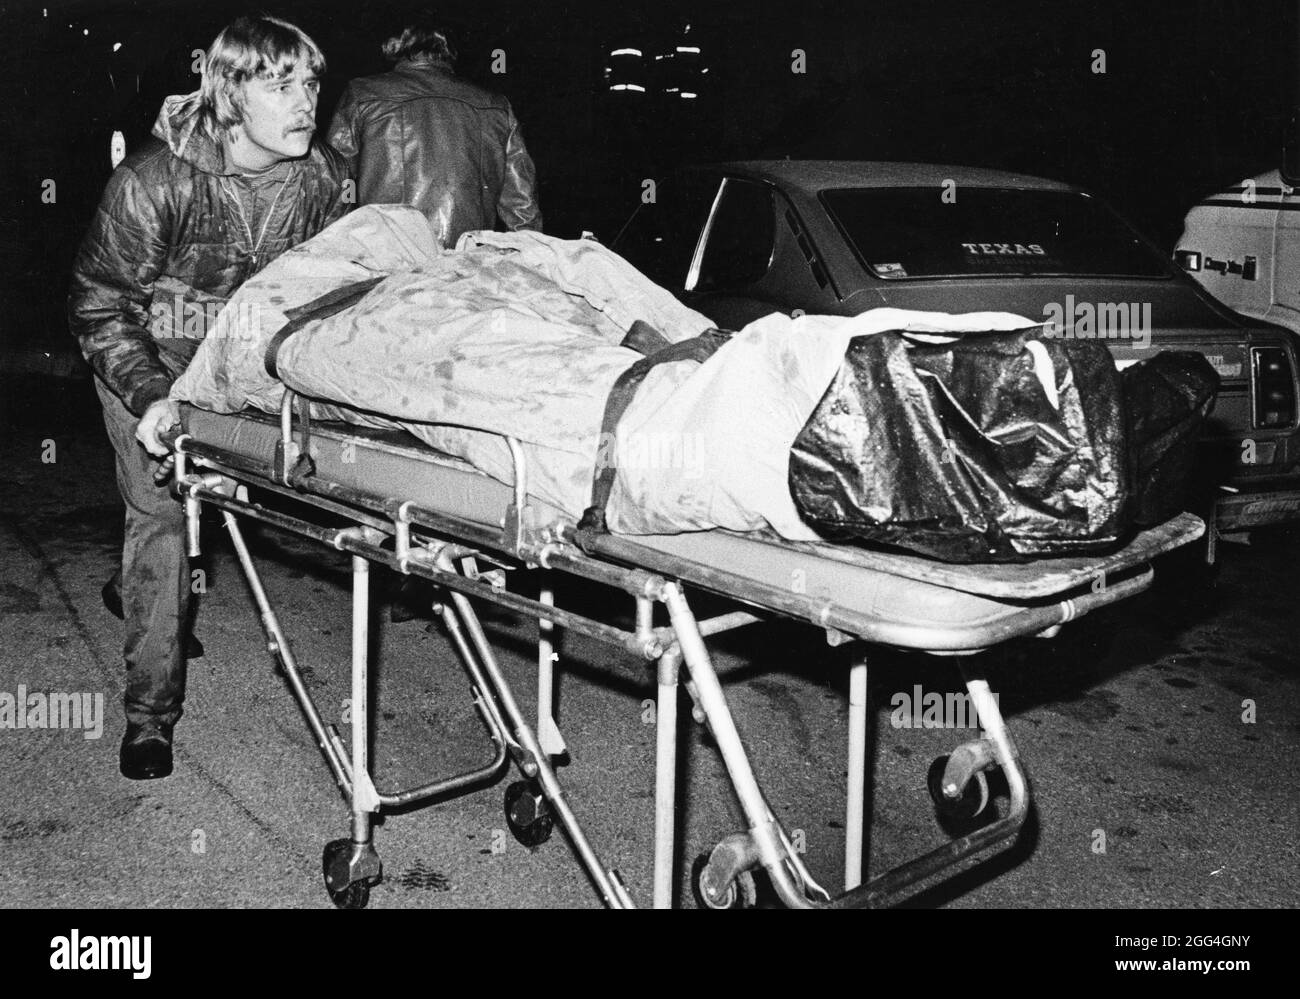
(155, 575)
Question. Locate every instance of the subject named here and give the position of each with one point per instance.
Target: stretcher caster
(350, 869)
(738, 893)
(958, 812)
(527, 814)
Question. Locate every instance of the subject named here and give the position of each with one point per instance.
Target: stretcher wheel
(961, 811)
(527, 814)
(354, 895)
(741, 893)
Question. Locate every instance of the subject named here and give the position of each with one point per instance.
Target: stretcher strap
(329, 304)
(644, 338)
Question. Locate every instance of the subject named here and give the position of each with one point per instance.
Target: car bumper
(1245, 510)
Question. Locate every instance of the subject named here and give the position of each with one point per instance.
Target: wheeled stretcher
(419, 512)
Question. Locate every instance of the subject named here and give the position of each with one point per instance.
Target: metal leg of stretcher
(766, 843)
(545, 664)
(534, 762)
(668, 675)
(279, 646)
(767, 838)
(364, 799)
(997, 747)
(948, 858)
(548, 732)
(855, 808)
(350, 866)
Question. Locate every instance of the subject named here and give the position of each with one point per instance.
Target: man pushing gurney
(233, 181)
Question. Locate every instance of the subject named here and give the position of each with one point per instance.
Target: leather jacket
(168, 247)
(420, 136)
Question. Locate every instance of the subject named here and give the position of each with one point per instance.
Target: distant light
(116, 46)
(658, 57)
(705, 69)
(628, 86)
(618, 52)
(689, 48)
(85, 31)
(671, 90)
(687, 93)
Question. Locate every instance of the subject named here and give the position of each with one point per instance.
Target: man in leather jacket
(233, 180)
(420, 136)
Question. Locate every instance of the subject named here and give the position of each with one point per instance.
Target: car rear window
(914, 232)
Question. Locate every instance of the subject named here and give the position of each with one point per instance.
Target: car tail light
(1275, 401)
(1188, 260)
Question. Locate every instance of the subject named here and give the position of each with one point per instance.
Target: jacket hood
(181, 126)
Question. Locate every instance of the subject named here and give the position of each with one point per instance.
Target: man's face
(280, 114)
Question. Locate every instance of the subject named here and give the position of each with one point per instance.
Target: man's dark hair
(421, 39)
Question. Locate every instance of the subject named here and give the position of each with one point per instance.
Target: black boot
(146, 752)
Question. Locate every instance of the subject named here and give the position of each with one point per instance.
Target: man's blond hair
(248, 48)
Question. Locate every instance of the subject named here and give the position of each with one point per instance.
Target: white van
(1242, 245)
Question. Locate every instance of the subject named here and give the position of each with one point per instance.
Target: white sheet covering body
(517, 334)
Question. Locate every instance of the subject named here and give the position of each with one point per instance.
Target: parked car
(737, 241)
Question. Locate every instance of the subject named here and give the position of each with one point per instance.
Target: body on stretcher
(419, 512)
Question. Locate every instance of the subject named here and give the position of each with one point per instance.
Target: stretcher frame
(414, 539)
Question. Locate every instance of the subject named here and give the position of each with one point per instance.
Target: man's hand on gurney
(160, 417)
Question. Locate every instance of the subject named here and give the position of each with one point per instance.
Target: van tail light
(1275, 397)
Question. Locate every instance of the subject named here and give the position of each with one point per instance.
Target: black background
(462, 953)
(1192, 99)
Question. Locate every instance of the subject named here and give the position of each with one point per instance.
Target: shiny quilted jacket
(167, 248)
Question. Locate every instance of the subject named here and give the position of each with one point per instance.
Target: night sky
(1192, 99)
